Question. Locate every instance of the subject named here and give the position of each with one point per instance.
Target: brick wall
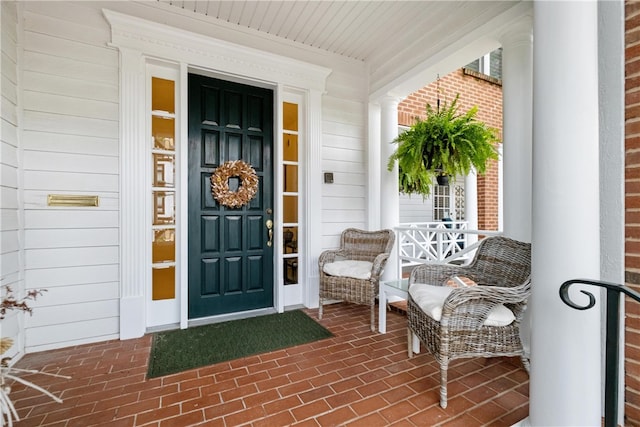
(473, 91)
(632, 211)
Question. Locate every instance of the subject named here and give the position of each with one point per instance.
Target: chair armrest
(469, 307)
(378, 265)
(331, 255)
(438, 274)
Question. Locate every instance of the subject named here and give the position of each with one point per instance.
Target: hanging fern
(445, 143)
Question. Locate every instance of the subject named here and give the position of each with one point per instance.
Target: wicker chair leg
(320, 310)
(373, 316)
(410, 342)
(525, 362)
(443, 385)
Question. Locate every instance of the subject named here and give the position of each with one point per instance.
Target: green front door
(230, 252)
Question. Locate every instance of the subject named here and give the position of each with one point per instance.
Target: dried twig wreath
(220, 183)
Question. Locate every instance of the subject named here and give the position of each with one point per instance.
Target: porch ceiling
(391, 37)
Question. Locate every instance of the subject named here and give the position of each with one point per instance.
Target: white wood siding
(344, 153)
(10, 229)
(415, 209)
(70, 140)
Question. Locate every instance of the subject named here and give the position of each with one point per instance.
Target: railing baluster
(437, 242)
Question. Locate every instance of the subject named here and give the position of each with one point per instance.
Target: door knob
(269, 225)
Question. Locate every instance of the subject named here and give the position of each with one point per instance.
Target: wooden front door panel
(230, 263)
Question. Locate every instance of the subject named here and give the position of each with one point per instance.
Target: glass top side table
(397, 288)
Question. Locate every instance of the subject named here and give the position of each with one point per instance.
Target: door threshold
(230, 316)
(162, 328)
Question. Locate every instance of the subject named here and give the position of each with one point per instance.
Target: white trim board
(156, 39)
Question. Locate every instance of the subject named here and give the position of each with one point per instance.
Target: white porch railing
(437, 242)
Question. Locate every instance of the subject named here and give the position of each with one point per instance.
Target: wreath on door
(220, 183)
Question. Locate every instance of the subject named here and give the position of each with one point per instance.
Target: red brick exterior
(632, 211)
(473, 91)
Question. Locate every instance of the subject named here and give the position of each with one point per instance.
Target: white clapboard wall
(70, 146)
(417, 209)
(10, 230)
(414, 208)
(344, 154)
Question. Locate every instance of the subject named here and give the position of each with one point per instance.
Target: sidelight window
(163, 189)
(290, 197)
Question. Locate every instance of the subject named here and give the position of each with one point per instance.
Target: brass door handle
(269, 225)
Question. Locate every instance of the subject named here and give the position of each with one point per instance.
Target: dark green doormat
(179, 350)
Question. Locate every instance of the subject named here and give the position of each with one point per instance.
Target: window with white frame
(448, 202)
(489, 64)
(441, 197)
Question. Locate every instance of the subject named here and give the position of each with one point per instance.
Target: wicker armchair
(501, 268)
(372, 247)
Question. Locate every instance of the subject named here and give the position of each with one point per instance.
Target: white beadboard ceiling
(358, 29)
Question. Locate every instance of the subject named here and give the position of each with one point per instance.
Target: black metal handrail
(612, 351)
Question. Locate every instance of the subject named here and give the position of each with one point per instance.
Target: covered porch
(77, 132)
(355, 378)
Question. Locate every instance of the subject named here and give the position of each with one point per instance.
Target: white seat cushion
(353, 269)
(431, 299)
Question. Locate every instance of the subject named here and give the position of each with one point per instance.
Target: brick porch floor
(356, 378)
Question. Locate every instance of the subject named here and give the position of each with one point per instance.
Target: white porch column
(516, 130)
(612, 153)
(565, 385)
(471, 204)
(389, 193)
(374, 171)
(516, 162)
